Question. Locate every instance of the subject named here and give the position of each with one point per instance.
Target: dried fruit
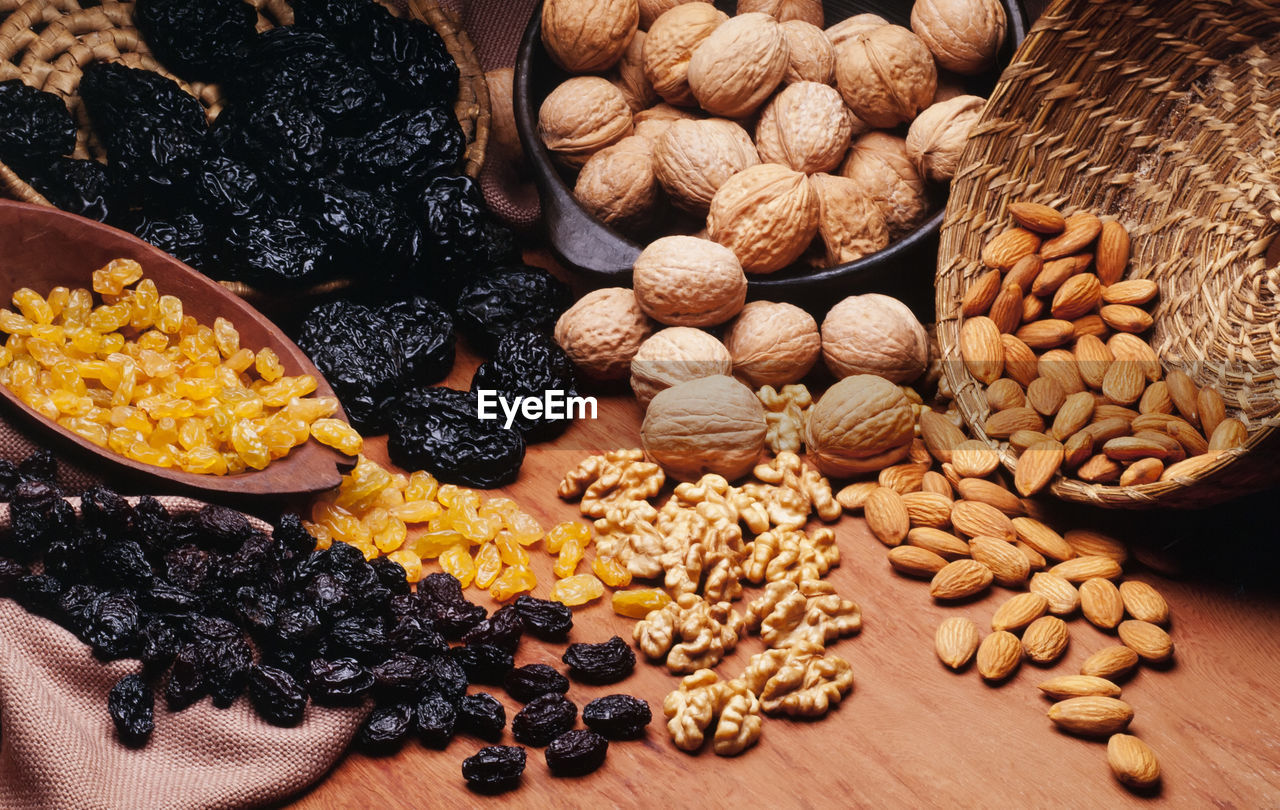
(1111, 663)
(576, 753)
(603, 663)
(494, 768)
(543, 719)
(617, 717)
(1143, 602)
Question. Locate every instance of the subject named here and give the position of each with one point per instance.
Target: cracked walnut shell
(806, 127)
(603, 331)
(810, 57)
(581, 116)
(675, 355)
(963, 35)
(739, 65)
(879, 164)
(714, 425)
(861, 424)
(687, 281)
(874, 334)
(583, 36)
(850, 224)
(669, 45)
(773, 343)
(938, 135)
(886, 75)
(767, 215)
(694, 158)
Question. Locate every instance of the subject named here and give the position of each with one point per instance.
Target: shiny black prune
(10, 477)
(494, 768)
(111, 626)
(197, 39)
(385, 730)
(296, 626)
(530, 364)
(153, 527)
(290, 534)
(484, 663)
(606, 662)
(454, 620)
(417, 636)
(340, 682)
(435, 719)
(187, 567)
(33, 124)
(482, 715)
(37, 517)
(401, 676)
(225, 529)
(276, 696)
(80, 187)
(507, 299)
(276, 251)
(146, 122)
(358, 355)
(441, 588)
(41, 465)
(618, 717)
(438, 430)
(225, 189)
(68, 558)
(39, 594)
(103, 508)
(445, 677)
(361, 637)
(280, 136)
(179, 233)
(171, 599)
(407, 56)
(125, 565)
(535, 680)
(502, 629)
(186, 682)
(366, 228)
(403, 152)
(465, 239)
(132, 707)
(225, 667)
(74, 606)
(576, 753)
(329, 16)
(10, 572)
(391, 575)
(426, 338)
(326, 594)
(543, 719)
(256, 609)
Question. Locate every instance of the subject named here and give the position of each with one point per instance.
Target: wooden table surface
(913, 733)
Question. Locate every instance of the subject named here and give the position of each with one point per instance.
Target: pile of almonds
(1053, 330)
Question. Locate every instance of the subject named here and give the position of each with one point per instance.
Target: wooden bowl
(605, 256)
(44, 247)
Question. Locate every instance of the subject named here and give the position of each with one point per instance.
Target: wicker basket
(47, 43)
(1164, 114)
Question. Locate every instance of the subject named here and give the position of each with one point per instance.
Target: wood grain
(912, 733)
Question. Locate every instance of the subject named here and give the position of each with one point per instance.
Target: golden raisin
(577, 590)
(636, 603)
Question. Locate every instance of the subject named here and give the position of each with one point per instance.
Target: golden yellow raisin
(488, 565)
(455, 560)
(337, 434)
(514, 580)
(561, 532)
(611, 572)
(430, 545)
(571, 554)
(577, 590)
(411, 563)
(512, 553)
(268, 365)
(637, 602)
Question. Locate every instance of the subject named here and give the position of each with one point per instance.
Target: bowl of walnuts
(816, 140)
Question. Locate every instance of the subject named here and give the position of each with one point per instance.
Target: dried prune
(391, 575)
(256, 608)
(170, 599)
(226, 189)
(41, 465)
(435, 719)
(484, 663)
(482, 715)
(453, 620)
(147, 122)
(340, 682)
(276, 251)
(494, 768)
(543, 719)
(535, 680)
(506, 299)
(446, 678)
(10, 477)
(607, 662)
(406, 150)
(438, 430)
(417, 636)
(367, 228)
(68, 558)
(361, 637)
(386, 729)
(359, 356)
(37, 516)
(290, 534)
(296, 625)
(10, 572)
(408, 57)
(276, 696)
(153, 526)
(186, 680)
(329, 16)
(326, 594)
(111, 626)
(74, 606)
(502, 629)
(226, 668)
(187, 567)
(618, 717)
(33, 124)
(529, 365)
(124, 564)
(280, 136)
(197, 39)
(401, 676)
(465, 239)
(179, 233)
(81, 187)
(442, 589)
(132, 708)
(426, 337)
(576, 753)
(39, 594)
(158, 643)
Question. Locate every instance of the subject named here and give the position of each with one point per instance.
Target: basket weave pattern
(1164, 115)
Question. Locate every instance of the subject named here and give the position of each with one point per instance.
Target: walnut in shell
(603, 331)
(582, 36)
(874, 334)
(617, 186)
(687, 281)
(963, 35)
(886, 75)
(809, 11)
(669, 44)
(862, 424)
(850, 27)
(767, 215)
(693, 159)
(651, 10)
(739, 65)
(807, 127)
(849, 222)
(676, 355)
(581, 116)
(630, 78)
(938, 135)
(879, 164)
(810, 57)
(773, 343)
(712, 425)
(653, 123)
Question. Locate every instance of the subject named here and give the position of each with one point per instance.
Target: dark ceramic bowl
(605, 257)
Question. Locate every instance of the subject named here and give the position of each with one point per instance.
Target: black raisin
(528, 365)
(543, 719)
(401, 676)
(186, 682)
(407, 149)
(607, 662)
(226, 668)
(507, 299)
(391, 575)
(10, 572)
(111, 626)
(454, 620)
(494, 768)
(39, 594)
(436, 720)
(618, 717)
(576, 753)
(482, 715)
(446, 678)
(290, 533)
(132, 707)
(386, 729)
(41, 466)
(465, 239)
(340, 682)
(158, 644)
(417, 636)
(484, 663)
(544, 618)
(276, 696)
(502, 629)
(535, 680)
(82, 187)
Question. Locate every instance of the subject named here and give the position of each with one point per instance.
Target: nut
(963, 35)
(960, 579)
(807, 127)
(767, 215)
(694, 158)
(1092, 715)
(1132, 761)
(862, 424)
(1111, 663)
(772, 343)
(809, 11)
(689, 634)
(581, 116)
(714, 424)
(700, 699)
(874, 334)
(810, 57)
(612, 479)
(1101, 604)
(627, 536)
(584, 36)
(617, 186)
(1069, 686)
(630, 78)
(800, 682)
(651, 10)
(603, 331)
(675, 355)
(785, 412)
(999, 655)
(849, 223)
(879, 163)
(886, 75)
(653, 123)
(739, 65)
(1062, 595)
(955, 641)
(669, 45)
(686, 281)
(844, 31)
(1046, 639)
(938, 135)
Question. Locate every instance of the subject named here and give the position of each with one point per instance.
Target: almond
(1035, 559)
(1008, 566)
(1037, 466)
(886, 516)
(915, 562)
(918, 453)
(902, 478)
(1101, 604)
(1069, 686)
(1147, 639)
(1060, 366)
(1008, 246)
(939, 434)
(983, 491)
(1103, 430)
(1032, 309)
(1005, 393)
(1160, 422)
(1019, 611)
(1099, 470)
(944, 544)
(1075, 413)
(1123, 383)
(1037, 217)
(1079, 569)
(955, 641)
(1185, 395)
(928, 509)
(1191, 468)
(1093, 358)
(973, 458)
(1110, 662)
(1143, 471)
(1089, 543)
(1052, 275)
(1211, 409)
(949, 472)
(1091, 715)
(1077, 297)
(1156, 399)
(1113, 252)
(1024, 272)
(1044, 394)
(1091, 325)
(1022, 440)
(1132, 761)
(981, 349)
(1042, 538)
(1019, 361)
(1077, 449)
(1228, 435)
(1045, 640)
(980, 295)
(1045, 334)
(999, 655)
(1006, 309)
(1126, 318)
(854, 496)
(936, 483)
(1131, 448)
(1002, 424)
(1188, 439)
(1144, 602)
(1079, 231)
(960, 579)
(1134, 291)
(1124, 346)
(976, 519)
(1062, 595)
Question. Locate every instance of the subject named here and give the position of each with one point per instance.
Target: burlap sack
(58, 746)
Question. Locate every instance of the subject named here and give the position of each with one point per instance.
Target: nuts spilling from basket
(1053, 331)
